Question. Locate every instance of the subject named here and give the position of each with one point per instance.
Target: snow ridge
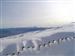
(35, 44)
(34, 41)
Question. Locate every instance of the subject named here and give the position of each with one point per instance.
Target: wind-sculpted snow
(62, 49)
(58, 41)
(8, 50)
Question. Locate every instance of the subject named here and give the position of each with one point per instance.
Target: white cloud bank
(20, 14)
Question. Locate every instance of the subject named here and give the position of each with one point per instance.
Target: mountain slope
(55, 41)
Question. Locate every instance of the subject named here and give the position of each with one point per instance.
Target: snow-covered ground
(58, 41)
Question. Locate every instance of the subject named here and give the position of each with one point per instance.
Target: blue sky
(31, 13)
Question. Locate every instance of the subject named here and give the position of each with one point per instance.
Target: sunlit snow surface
(58, 41)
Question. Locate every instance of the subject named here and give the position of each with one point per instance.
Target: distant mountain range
(14, 31)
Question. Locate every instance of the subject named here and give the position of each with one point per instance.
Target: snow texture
(57, 41)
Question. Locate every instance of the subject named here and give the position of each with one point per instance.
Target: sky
(29, 13)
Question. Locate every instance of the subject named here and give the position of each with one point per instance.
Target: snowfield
(57, 41)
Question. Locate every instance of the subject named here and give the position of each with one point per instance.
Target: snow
(57, 41)
(10, 49)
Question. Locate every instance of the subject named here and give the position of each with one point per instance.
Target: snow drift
(55, 41)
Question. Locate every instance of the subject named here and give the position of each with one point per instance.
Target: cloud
(20, 14)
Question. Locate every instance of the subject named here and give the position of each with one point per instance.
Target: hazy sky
(20, 13)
